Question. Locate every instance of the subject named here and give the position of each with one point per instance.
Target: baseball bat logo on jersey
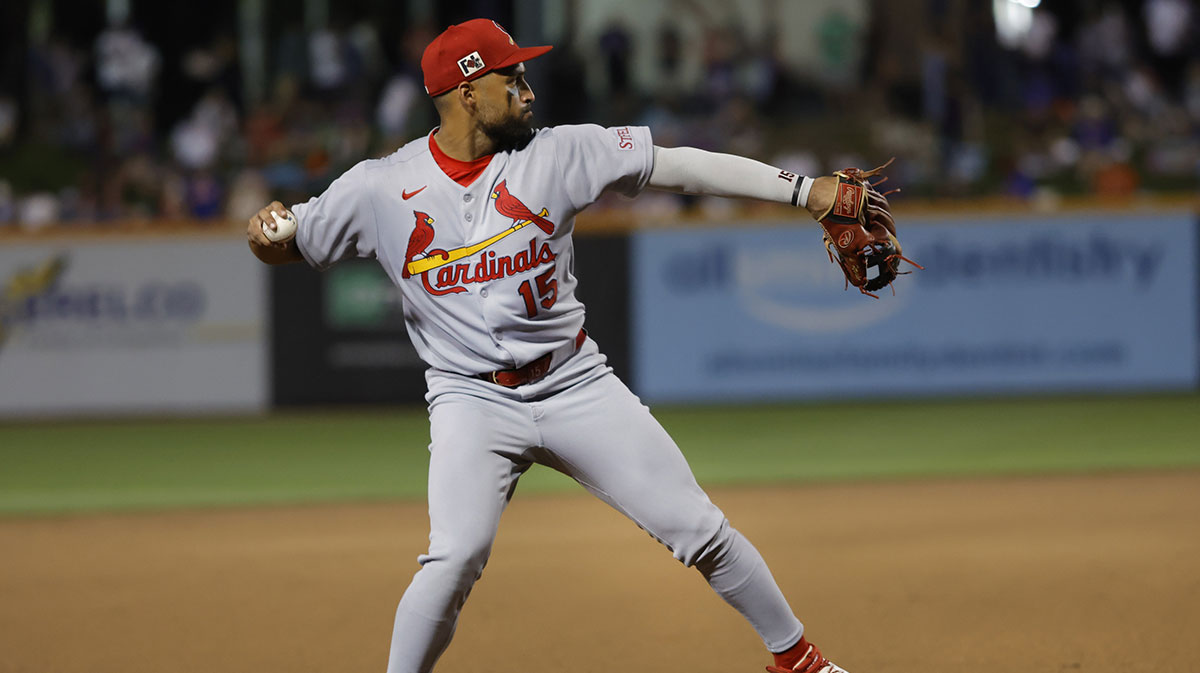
(507, 204)
(450, 277)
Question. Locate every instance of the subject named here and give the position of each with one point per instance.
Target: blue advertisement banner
(1076, 303)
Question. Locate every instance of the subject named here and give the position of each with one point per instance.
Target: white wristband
(802, 190)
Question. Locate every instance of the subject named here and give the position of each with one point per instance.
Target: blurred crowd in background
(1090, 97)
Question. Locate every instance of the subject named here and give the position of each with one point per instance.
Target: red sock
(794, 654)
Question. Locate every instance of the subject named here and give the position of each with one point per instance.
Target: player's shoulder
(620, 137)
(405, 158)
(568, 131)
(405, 154)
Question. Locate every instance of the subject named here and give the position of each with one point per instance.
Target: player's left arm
(689, 170)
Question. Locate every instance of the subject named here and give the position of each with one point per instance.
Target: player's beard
(508, 133)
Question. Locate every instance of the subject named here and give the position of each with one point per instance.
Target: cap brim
(521, 55)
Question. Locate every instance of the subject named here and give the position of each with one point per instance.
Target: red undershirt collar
(462, 172)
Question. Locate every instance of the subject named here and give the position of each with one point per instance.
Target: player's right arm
(338, 224)
(271, 252)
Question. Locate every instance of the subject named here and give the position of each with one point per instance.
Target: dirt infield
(1096, 573)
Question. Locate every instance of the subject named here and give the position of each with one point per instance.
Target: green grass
(381, 454)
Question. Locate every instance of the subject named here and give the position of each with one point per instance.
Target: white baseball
(285, 227)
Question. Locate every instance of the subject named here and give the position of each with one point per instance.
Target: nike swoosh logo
(406, 195)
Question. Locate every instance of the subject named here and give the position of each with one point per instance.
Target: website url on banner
(1007, 356)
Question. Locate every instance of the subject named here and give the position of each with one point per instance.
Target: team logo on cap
(510, 40)
(470, 64)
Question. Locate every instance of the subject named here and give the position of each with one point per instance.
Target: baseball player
(473, 223)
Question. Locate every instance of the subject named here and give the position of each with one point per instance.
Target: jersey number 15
(547, 292)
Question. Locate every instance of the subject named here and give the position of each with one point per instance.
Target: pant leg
(475, 460)
(600, 434)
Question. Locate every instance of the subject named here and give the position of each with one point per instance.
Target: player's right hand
(254, 231)
(268, 251)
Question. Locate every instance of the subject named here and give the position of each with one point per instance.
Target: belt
(511, 378)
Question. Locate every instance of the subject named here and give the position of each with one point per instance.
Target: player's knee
(712, 554)
(704, 538)
(460, 561)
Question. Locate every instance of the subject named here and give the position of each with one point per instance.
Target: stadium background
(206, 463)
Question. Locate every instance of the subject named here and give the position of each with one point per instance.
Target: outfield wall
(188, 324)
(1076, 303)
(130, 325)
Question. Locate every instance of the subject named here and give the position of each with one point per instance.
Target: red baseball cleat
(811, 661)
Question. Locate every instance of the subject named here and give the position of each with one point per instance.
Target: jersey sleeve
(340, 223)
(594, 159)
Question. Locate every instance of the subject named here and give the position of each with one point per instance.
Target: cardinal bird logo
(510, 206)
(418, 260)
(420, 239)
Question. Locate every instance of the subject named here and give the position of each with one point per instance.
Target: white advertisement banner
(132, 326)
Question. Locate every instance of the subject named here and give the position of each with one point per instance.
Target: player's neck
(463, 142)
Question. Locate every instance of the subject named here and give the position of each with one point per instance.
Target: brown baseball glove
(860, 234)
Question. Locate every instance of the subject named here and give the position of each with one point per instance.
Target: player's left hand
(859, 230)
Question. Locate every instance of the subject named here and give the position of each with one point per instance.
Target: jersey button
(483, 293)
(499, 336)
(468, 217)
(467, 198)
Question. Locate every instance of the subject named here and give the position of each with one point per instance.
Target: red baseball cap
(468, 50)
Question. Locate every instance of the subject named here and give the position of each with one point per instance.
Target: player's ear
(466, 95)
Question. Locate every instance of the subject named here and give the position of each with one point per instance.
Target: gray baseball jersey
(485, 269)
(482, 253)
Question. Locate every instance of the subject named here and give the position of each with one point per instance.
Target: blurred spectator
(55, 67)
(1191, 92)
(616, 49)
(798, 161)
(8, 207)
(204, 195)
(1169, 30)
(720, 64)
(1105, 44)
(198, 140)
(669, 46)
(566, 99)
(215, 66)
(247, 194)
(334, 64)
(400, 96)
(291, 55)
(38, 211)
(8, 121)
(841, 51)
(140, 186)
(1103, 100)
(126, 65)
